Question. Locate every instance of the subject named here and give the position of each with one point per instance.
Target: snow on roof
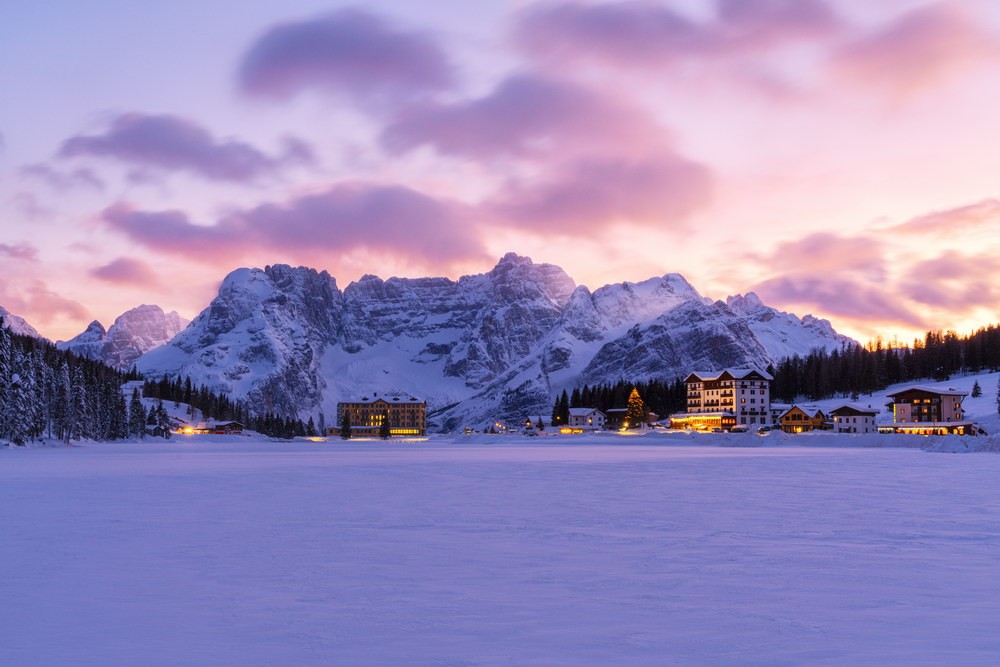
(867, 409)
(738, 373)
(943, 391)
(810, 410)
(582, 412)
(389, 398)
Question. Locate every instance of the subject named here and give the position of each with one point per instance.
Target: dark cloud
(390, 219)
(914, 50)
(527, 114)
(643, 33)
(58, 179)
(591, 194)
(165, 142)
(352, 52)
(126, 271)
(22, 251)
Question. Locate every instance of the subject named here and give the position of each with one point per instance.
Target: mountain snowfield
(496, 345)
(487, 346)
(133, 333)
(17, 324)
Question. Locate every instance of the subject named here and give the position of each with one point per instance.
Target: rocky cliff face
(133, 334)
(486, 346)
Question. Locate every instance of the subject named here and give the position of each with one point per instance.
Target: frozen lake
(506, 553)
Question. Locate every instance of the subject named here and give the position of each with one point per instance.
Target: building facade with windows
(735, 396)
(586, 418)
(407, 415)
(928, 411)
(851, 418)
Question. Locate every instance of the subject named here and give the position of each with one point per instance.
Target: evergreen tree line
(45, 392)
(853, 370)
(50, 393)
(220, 407)
(660, 396)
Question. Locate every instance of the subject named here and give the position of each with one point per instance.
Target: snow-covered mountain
(134, 333)
(486, 346)
(17, 324)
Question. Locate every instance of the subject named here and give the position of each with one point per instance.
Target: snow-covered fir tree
(136, 416)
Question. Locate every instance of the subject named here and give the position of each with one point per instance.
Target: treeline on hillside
(50, 393)
(45, 392)
(220, 407)
(660, 397)
(853, 369)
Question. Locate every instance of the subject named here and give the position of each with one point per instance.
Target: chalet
(586, 418)
(614, 418)
(726, 398)
(853, 418)
(802, 418)
(928, 410)
(407, 415)
(227, 428)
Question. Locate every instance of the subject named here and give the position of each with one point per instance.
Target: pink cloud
(915, 50)
(126, 271)
(953, 281)
(21, 251)
(839, 297)
(527, 114)
(34, 301)
(951, 221)
(352, 52)
(390, 219)
(827, 253)
(165, 142)
(592, 193)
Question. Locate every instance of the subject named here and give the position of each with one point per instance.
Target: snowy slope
(497, 344)
(784, 334)
(17, 324)
(133, 333)
(982, 410)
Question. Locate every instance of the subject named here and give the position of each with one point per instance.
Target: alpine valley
(497, 345)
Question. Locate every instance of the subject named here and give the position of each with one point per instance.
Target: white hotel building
(724, 399)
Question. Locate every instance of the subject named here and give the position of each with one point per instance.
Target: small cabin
(802, 419)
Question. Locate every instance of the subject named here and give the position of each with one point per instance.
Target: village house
(586, 418)
(724, 399)
(928, 411)
(802, 418)
(853, 418)
(407, 415)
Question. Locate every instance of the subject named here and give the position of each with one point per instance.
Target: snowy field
(495, 551)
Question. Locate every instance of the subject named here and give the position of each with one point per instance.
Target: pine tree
(383, 430)
(345, 425)
(311, 427)
(136, 416)
(6, 373)
(977, 391)
(998, 395)
(18, 421)
(636, 411)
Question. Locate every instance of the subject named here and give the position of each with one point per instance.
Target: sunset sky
(838, 157)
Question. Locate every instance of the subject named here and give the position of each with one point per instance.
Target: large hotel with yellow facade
(407, 415)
